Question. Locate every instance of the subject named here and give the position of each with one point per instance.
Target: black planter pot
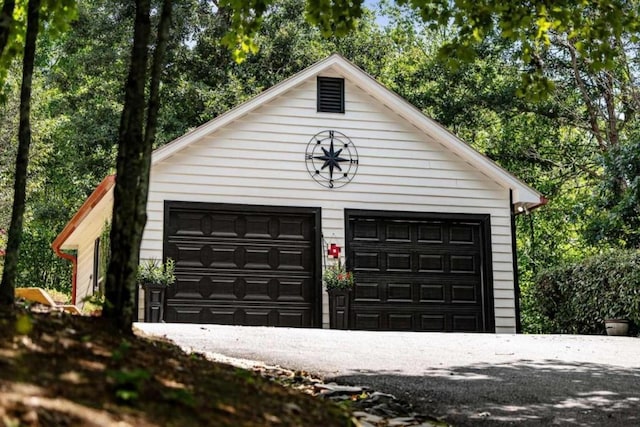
(339, 303)
(153, 302)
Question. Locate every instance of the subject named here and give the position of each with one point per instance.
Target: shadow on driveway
(524, 392)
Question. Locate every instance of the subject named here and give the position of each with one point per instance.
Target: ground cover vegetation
(553, 99)
(63, 370)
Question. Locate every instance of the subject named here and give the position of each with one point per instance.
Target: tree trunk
(153, 108)
(6, 19)
(134, 159)
(7, 287)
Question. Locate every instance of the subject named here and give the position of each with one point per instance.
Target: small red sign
(334, 250)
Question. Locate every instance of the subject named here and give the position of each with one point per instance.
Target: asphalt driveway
(465, 379)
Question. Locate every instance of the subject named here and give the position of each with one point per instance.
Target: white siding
(259, 159)
(87, 232)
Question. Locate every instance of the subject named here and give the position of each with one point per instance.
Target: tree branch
(6, 19)
(593, 119)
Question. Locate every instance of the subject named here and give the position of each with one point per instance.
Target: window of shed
(330, 95)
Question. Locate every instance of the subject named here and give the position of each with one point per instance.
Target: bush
(576, 298)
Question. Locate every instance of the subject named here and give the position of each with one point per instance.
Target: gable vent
(330, 95)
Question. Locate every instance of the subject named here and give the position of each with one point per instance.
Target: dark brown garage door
(419, 272)
(243, 265)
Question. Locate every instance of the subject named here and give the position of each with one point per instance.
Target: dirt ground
(63, 370)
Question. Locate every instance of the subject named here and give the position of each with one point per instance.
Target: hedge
(576, 298)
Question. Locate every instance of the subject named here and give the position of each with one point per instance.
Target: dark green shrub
(576, 298)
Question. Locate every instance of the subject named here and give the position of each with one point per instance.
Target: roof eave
(94, 198)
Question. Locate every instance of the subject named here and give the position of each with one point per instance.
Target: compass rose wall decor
(331, 158)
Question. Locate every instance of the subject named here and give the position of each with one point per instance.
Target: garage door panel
(366, 261)
(245, 315)
(242, 264)
(398, 232)
(254, 317)
(417, 273)
(365, 231)
(464, 293)
(202, 287)
(398, 262)
(430, 233)
(189, 224)
(258, 289)
(400, 292)
(426, 260)
(418, 289)
(366, 291)
(407, 319)
(253, 258)
(434, 293)
(290, 228)
(433, 322)
(465, 323)
(183, 314)
(293, 259)
(402, 261)
(212, 286)
(220, 225)
(256, 227)
(464, 263)
(401, 322)
(368, 321)
(218, 257)
(237, 255)
(463, 234)
(431, 263)
(292, 289)
(291, 319)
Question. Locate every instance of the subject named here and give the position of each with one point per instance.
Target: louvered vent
(330, 95)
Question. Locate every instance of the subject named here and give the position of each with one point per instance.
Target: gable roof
(524, 197)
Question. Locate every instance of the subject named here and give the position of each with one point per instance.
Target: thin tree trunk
(125, 248)
(156, 74)
(6, 19)
(134, 157)
(7, 287)
(589, 105)
(152, 113)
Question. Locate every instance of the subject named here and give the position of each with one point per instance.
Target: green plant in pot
(336, 277)
(339, 283)
(154, 277)
(155, 273)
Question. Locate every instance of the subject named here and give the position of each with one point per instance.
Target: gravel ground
(464, 379)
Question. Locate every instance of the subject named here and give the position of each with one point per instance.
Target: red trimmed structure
(84, 210)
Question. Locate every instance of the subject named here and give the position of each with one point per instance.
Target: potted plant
(154, 277)
(339, 282)
(617, 313)
(616, 323)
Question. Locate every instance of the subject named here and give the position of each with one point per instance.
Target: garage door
(243, 265)
(418, 272)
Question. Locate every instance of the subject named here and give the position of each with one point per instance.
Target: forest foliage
(573, 136)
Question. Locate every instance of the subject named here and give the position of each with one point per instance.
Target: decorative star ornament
(331, 159)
